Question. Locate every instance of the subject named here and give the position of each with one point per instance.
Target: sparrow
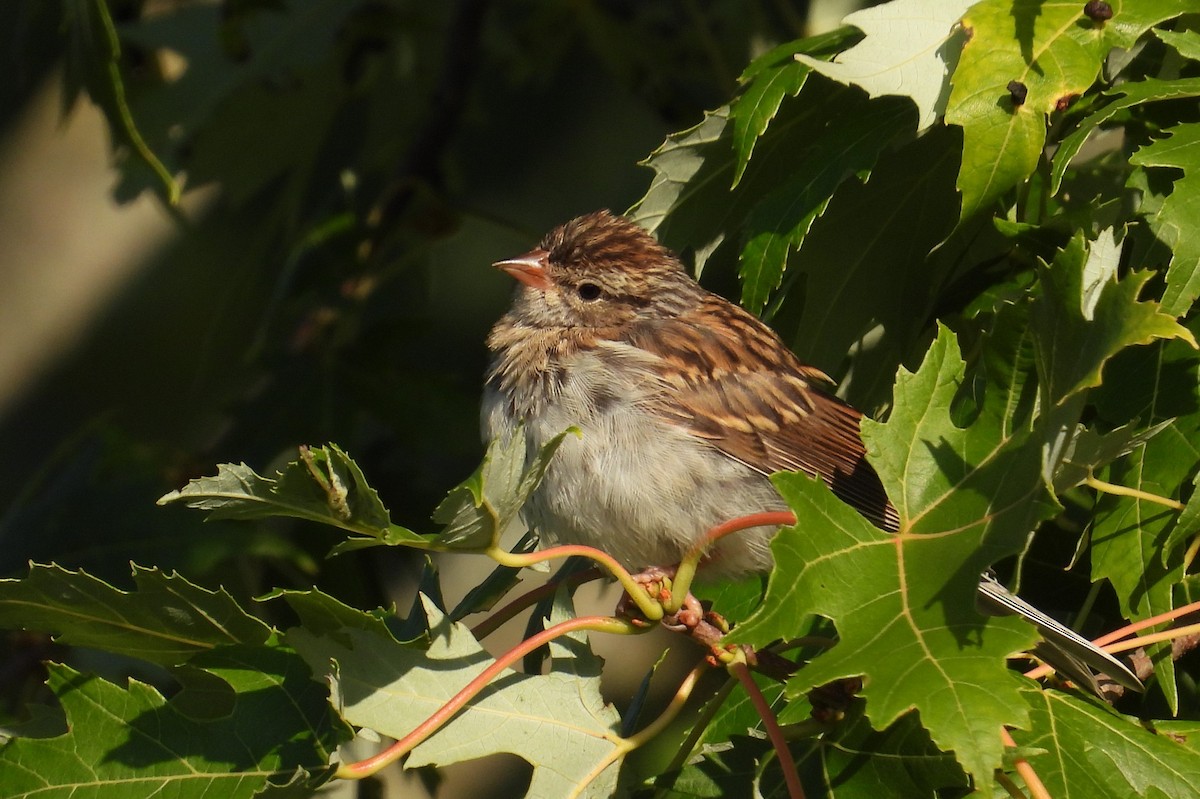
(686, 403)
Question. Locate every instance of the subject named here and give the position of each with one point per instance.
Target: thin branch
(1008, 785)
(124, 117)
(1154, 638)
(790, 776)
(1033, 782)
(640, 738)
(1190, 555)
(365, 768)
(1130, 629)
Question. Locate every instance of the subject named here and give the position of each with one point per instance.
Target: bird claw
(656, 582)
(687, 618)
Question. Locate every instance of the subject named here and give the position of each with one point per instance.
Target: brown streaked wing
(737, 385)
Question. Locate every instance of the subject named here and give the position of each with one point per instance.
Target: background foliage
(979, 218)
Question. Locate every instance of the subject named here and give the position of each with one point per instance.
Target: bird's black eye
(588, 291)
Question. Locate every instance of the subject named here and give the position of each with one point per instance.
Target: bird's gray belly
(635, 485)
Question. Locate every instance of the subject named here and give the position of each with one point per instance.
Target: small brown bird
(686, 404)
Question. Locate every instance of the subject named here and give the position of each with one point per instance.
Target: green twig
(1130, 629)
(626, 745)
(1153, 638)
(124, 118)
(1005, 782)
(1190, 555)
(1106, 641)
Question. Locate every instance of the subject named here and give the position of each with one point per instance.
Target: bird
(686, 403)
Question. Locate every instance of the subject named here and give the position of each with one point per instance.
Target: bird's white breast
(634, 485)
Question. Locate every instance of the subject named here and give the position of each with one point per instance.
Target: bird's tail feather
(1066, 650)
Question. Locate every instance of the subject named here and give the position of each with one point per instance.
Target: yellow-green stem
(691, 561)
(1106, 487)
(1190, 554)
(1130, 629)
(124, 116)
(626, 745)
(649, 608)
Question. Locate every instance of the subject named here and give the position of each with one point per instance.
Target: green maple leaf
(904, 604)
(1003, 139)
(1135, 542)
(557, 722)
(477, 511)
(688, 167)
(771, 77)
(131, 742)
(850, 144)
(324, 485)
(1177, 220)
(1082, 749)
(1055, 55)
(166, 620)
(1122, 97)
(1085, 316)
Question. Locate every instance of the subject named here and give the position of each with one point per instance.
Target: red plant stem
(790, 776)
(531, 597)
(365, 768)
(691, 561)
(767, 518)
(1106, 641)
(1130, 629)
(1032, 781)
(1153, 638)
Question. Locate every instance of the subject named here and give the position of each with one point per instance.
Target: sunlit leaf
(910, 49)
(1080, 327)
(323, 485)
(477, 511)
(1089, 750)
(1124, 96)
(904, 604)
(1055, 56)
(558, 722)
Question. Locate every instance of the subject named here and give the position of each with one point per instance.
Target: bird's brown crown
(602, 242)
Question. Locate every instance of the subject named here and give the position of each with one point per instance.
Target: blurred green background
(350, 170)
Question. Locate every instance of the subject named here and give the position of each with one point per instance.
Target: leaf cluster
(980, 218)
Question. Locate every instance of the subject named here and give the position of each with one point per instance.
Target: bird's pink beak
(529, 268)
